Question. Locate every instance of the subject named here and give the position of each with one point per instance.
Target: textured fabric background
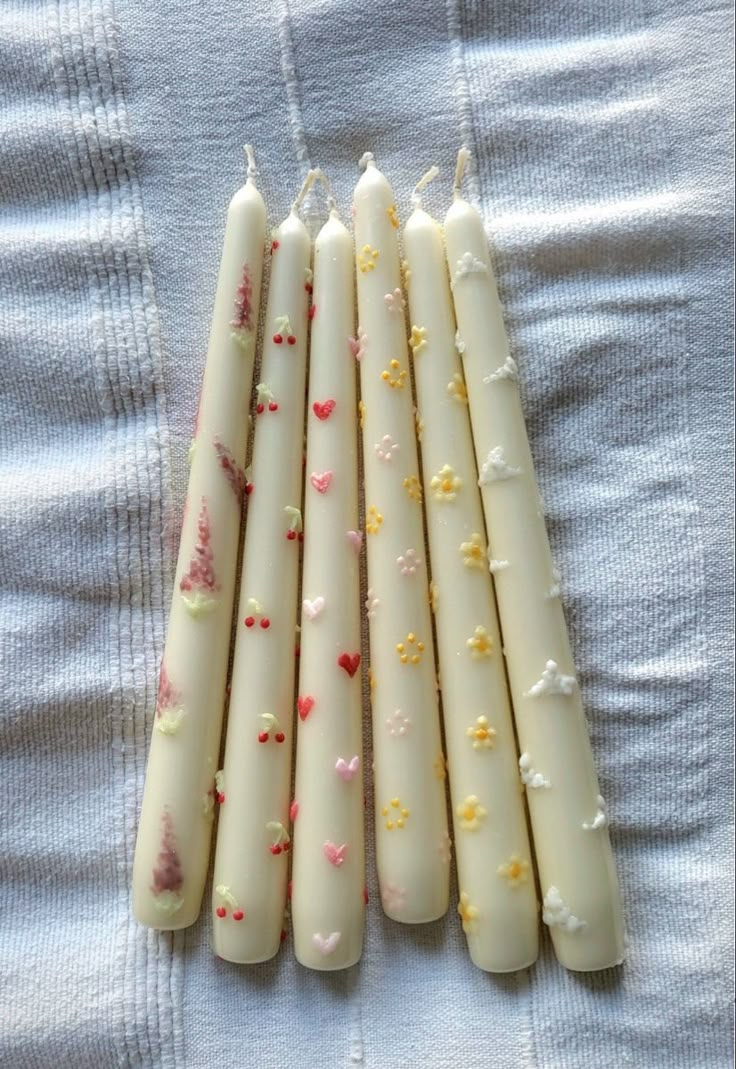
(602, 134)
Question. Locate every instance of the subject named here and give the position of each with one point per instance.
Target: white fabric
(602, 141)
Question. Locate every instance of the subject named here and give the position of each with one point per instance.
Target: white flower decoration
(557, 914)
(496, 468)
(529, 775)
(507, 370)
(553, 681)
(398, 724)
(395, 301)
(386, 448)
(408, 562)
(468, 265)
(393, 897)
(371, 604)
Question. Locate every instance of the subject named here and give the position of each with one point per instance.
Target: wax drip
(416, 197)
(250, 157)
(366, 160)
(322, 178)
(462, 162)
(306, 186)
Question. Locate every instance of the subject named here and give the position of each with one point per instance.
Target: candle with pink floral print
(174, 831)
(327, 905)
(412, 844)
(253, 836)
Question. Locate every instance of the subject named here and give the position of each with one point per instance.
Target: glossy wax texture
(328, 877)
(498, 902)
(581, 902)
(252, 857)
(172, 849)
(412, 844)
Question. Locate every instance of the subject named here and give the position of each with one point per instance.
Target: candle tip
(416, 197)
(462, 161)
(250, 158)
(366, 160)
(306, 186)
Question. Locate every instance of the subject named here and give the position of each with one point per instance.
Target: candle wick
(250, 157)
(416, 197)
(306, 186)
(462, 161)
(366, 160)
(320, 176)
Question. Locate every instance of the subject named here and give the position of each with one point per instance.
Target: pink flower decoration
(243, 318)
(233, 472)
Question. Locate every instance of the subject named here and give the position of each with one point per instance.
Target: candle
(498, 903)
(172, 849)
(251, 859)
(412, 844)
(568, 817)
(328, 876)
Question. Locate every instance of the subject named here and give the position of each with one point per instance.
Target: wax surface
(253, 839)
(412, 843)
(497, 905)
(328, 877)
(581, 901)
(172, 849)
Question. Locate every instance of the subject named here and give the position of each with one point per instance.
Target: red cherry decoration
(291, 340)
(259, 409)
(275, 849)
(265, 623)
(274, 246)
(249, 621)
(291, 535)
(273, 406)
(220, 797)
(278, 339)
(263, 736)
(221, 912)
(308, 287)
(287, 846)
(249, 488)
(238, 914)
(279, 736)
(312, 311)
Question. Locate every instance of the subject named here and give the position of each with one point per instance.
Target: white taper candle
(581, 901)
(498, 902)
(172, 849)
(412, 844)
(328, 877)
(251, 859)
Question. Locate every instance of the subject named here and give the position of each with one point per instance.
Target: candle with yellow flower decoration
(328, 876)
(498, 904)
(253, 840)
(568, 816)
(412, 844)
(174, 832)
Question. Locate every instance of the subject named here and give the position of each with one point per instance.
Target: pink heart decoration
(325, 944)
(334, 854)
(346, 770)
(313, 608)
(293, 811)
(323, 409)
(304, 705)
(350, 662)
(355, 538)
(321, 481)
(356, 349)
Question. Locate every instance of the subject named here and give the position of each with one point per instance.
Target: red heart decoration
(304, 705)
(350, 662)
(322, 409)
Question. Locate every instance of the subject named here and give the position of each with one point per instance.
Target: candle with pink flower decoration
(412, 844)
(328, 875)
(498, 902)
(253, 838)
(581, 903)
(174, 832)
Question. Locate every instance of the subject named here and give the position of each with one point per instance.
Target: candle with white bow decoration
(412, 844)
(253, 840)
(498, 903)
(172, 849)
(328, 876)
(581, 902)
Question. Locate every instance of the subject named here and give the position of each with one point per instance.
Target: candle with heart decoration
(328, 875)
(175, 827)
(253, 841)
(412, 844)
(498, 902)
(581, 902)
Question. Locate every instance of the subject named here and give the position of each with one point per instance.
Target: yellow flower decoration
(418, 339)
(361, 413)
(394, 375)
(483, 736)
(367, 259)
(440, 766)
(419, 423)
(474, 552)
(481, 643)
(392, 216)
(371, 681)
(405, 273)
(396, 815)
(468, 913)
(471, 813)
(410, 651)
(413, 487)
(456, 389)
(515, 870)
(445, 484)
(433, 596)
(373, 520)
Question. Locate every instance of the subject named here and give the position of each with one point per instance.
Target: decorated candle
(568, 816)
(172, 850)
(328, 876)
(253, 839)
(412, 844)
(498, 902)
